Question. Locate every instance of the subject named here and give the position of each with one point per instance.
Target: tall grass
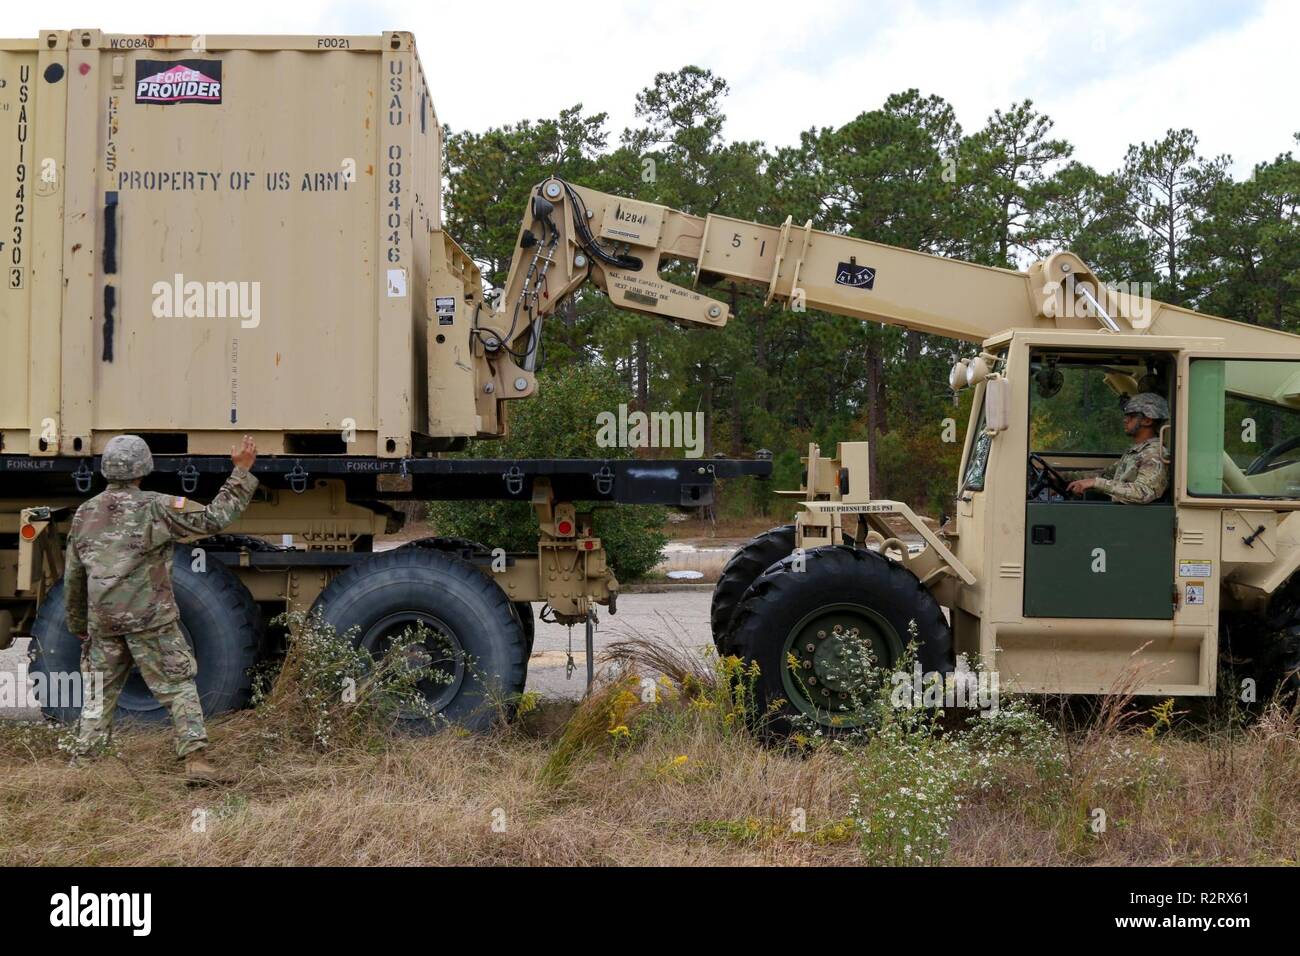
(659, 766)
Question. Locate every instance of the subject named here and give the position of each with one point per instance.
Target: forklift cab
(1090, 556)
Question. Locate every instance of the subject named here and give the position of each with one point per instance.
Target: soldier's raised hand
(244, 455)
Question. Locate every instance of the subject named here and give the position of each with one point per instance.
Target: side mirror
(997, 404)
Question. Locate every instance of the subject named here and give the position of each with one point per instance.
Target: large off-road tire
(740, 572)
(840, 589)
(481, 650)
(464, 547)
(1264, 648)
(219, 619)
(524, 612)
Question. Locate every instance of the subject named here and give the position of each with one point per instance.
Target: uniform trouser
(168, 667)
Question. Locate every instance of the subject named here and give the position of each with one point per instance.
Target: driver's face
(1133, 422)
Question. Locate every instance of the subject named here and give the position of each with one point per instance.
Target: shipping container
(217, 235)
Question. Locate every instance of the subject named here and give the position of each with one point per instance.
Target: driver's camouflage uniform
(1139, 477)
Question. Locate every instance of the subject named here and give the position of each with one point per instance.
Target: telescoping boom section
(571, 234)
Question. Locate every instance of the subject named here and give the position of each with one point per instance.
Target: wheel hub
(441, 652)
(830, 657)
(838, 661)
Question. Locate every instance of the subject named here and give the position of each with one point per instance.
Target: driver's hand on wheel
(1080, 486)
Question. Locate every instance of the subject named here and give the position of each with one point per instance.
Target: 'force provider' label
(166, 82)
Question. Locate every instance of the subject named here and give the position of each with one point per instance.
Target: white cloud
(1109, 74)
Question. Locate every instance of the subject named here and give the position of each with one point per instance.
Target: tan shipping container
(213, 235)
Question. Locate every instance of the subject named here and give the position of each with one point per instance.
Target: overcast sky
(1110, 74)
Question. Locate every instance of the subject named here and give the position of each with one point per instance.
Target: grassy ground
(622, 780)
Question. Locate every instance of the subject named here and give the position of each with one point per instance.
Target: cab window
(1244, 428)
(1076, 413)
(1073, 410)
(978, 462)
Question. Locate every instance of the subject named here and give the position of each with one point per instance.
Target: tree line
(907, 174)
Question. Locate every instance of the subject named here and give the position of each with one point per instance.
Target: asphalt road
(678, 616)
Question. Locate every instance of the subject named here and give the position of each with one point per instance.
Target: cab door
(1094, 558)
(1099, 559)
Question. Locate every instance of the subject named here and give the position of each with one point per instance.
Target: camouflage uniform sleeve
(75, 603)
(1147, 485)
(174, 518)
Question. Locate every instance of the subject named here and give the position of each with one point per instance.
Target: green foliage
(330, 694)
(560, 422)
(1168, 184)
(913, 773)
(1244, 247)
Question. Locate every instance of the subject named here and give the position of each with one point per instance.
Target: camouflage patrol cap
(125, 458)
(1149, 404)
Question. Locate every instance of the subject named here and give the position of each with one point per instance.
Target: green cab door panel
(1099, 559)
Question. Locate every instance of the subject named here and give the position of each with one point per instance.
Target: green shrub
(912, 776)
(329, 693)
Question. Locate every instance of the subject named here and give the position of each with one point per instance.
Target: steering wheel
(1267, 460)
(1041, 475)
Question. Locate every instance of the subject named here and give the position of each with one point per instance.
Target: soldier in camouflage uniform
(118, 590)
(1141, 475)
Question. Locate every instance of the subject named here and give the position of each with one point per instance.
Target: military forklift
(1058, 593)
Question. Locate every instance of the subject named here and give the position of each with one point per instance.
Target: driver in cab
(1140, 476)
